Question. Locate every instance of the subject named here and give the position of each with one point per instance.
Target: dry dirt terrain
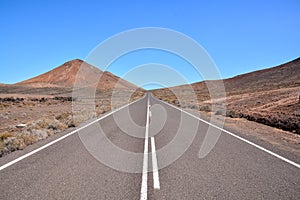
(44, 103)
(50, 103)
(268, 97)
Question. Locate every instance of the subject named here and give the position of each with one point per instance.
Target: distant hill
(282, 76)
(65, 76)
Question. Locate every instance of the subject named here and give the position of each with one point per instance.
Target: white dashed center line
(156, 184)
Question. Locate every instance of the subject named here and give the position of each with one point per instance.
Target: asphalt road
(87, 165)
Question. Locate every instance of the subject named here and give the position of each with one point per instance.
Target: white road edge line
(144, 186)
(65, 136)
(156, 184)
(236, 136)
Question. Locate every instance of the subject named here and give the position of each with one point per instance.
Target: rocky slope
(268, 96)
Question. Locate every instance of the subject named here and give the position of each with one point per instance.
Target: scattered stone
(21, 125)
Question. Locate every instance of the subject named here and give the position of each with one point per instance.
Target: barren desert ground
(262, 104)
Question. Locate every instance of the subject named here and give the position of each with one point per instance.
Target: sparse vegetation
(5, 135)
(275, 105)
(205, 108)
(46, 116)
(232, 114)
(33, 132)
(48, 109)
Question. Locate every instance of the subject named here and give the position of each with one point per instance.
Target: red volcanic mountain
(79, 72)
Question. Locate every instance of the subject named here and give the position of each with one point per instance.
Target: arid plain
(263, 104)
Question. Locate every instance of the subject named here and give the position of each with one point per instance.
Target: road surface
(66, 169)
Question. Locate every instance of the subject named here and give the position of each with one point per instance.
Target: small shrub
(28, 139)
(65, 119)
(52, 126)
(2, 145)
(205, 108)
(5, 135)
(42, 124)
(194, 107)
(175, 102)
(231, 114)
(14, 143)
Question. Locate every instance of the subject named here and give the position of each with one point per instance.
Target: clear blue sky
(240, 36)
